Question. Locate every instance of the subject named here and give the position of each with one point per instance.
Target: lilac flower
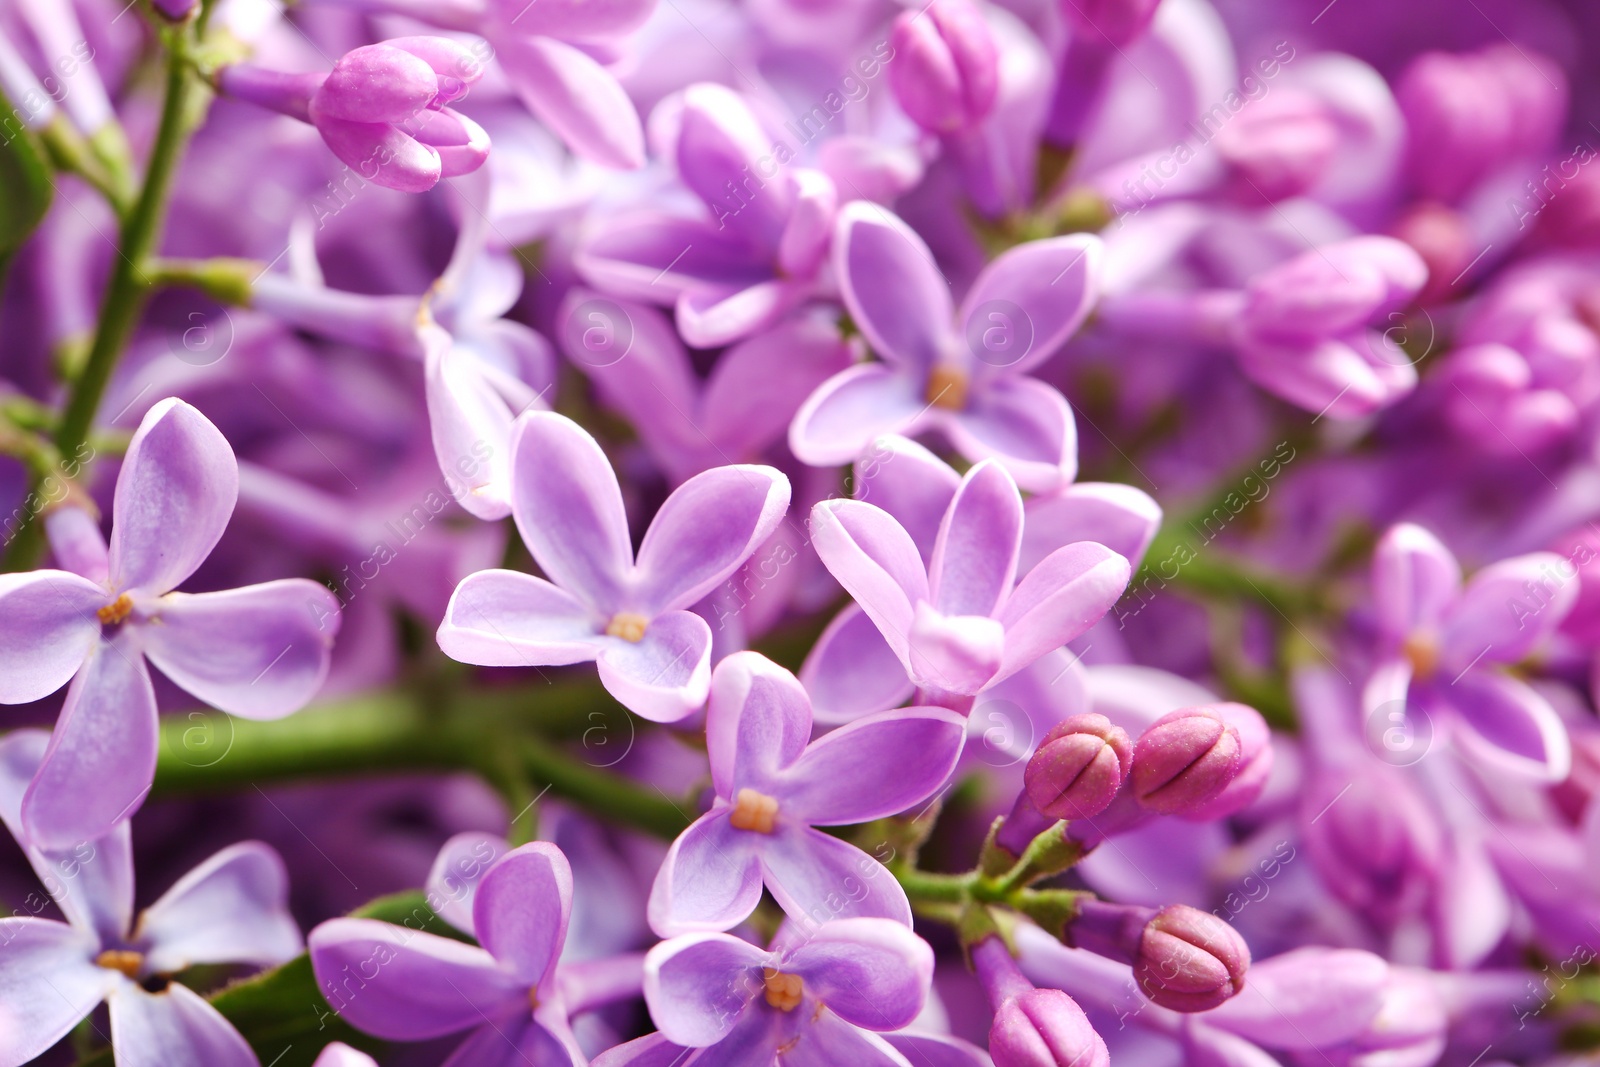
(758, 256)
(964, 622)
(410, 985)
(813, 999)
(1033, 1027)
(480, 369)
(601, 602)
(772, 788)
(643, 371)
(1438, 644)
(261, 651)
(853, 670)
(382, 109)
(232, 908)
(961, 373)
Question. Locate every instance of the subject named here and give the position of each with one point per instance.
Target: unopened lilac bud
(1033, 1027)
(1184, 760)
(1255, 763)
(1118, 21)
(1078, 767)
(1190, 960)
(1279, 146)
(946, 71)
(1468, 115)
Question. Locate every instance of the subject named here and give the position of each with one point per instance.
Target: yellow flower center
(753, 811)
(628, 625)
(947, 387)
(783, 990)
(117, 610)
(129, 963)
(1423, 652)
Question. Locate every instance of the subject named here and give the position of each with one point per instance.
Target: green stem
(128, 289)
(402, 730)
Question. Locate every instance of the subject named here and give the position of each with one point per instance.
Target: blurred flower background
(804, 532)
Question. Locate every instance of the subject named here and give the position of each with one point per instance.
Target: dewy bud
(1190, 960)
(1078, 768)
(1184, 760)
(946, 72)
(1033, 1027)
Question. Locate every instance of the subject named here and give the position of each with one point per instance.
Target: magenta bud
(1279, 146)
(1255, 763)
(1184, 760)
(1033, 1027)
(1190, 960)
(946, 72)
(1078, 767)
(1118, 21)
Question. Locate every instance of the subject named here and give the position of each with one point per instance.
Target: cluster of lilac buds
(799, 533)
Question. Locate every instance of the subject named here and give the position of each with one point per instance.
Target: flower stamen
(754, 811)
(783, 990)
(947, 387)
(628, 625)
(116, 959)
(113, 613)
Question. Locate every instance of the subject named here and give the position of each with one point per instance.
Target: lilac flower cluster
(799, 533)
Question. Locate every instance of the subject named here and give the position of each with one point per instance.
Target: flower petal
(175, 493)
(1508, 608)
(1511, 726)
(261, 651)
(1060, 599)
(758, 723)
(505, 618)
(954, 653)
(339, 1054)
(407, 985)
(516, 1042)
(875, 560)
(872, 768)
(92, 882)
(173, 1028)
(816, 878)
(712, 318)
(758, 385)
(892, 287)
(47, 627)
(1121, 517)
(870, 972)
(699, 986)
(936, 1050)
(710, 880)
(48, 982)
(385, 155)
(1309, 998)
(233, 908)
(1026, 425)
(520, 914)
(568, 508)
(102, 753)
(664, 676)
(839, 421)
(1038, 293)
(652, 1050)
(830, 1041)
(851, 671)
(582, 20)
(721, 143)
(457, 870)
(1415, 579)
(470, 423)
(974, 560)
(576, 97)
(704, 531)
(645, 254)
(910, 483)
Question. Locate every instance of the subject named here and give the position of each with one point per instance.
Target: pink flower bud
(1190, 960)
(1078, 768)
(946, 69)
(1185, 759)
(1033, 1027)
